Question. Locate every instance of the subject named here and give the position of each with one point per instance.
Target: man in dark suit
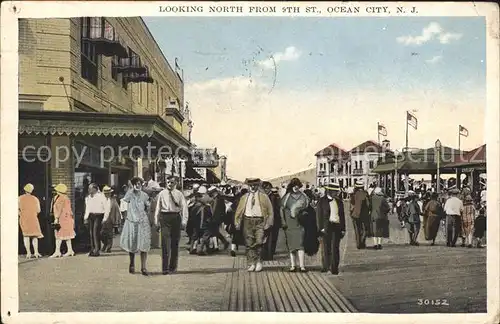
(271, 235)
(360, 214)
(331, 223)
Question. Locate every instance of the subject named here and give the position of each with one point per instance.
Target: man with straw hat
(360, 214)
(255, 214)
(331, 222)
(111, 213)
(29, 208)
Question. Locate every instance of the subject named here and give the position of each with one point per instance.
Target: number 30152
(433, 302)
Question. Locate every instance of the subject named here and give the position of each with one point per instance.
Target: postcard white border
(9, 167)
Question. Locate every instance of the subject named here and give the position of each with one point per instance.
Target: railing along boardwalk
(274, 289)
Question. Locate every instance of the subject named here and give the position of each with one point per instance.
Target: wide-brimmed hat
(107, 189)
(61, 188)
(29, 188)
(202, 190)
(252, 181)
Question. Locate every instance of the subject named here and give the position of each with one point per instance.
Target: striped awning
(192, 176)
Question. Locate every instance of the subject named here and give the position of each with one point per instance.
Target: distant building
(308, 177)
(334, 164)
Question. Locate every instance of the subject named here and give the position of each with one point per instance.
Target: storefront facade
(97, 102)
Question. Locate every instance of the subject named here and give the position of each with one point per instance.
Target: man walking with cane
(331, 222)
(171, 214)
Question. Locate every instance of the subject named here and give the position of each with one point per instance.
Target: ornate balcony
(98, 31)
(131, 64)
(135, 77)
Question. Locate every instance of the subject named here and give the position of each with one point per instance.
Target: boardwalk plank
(324, 294)
(241, 286)
(339, 298)
(285, 281)
(247, 290)
(276, 294)
(299, 293)
(226, 306)
(320, 307)
(256, 303)
(284, 297)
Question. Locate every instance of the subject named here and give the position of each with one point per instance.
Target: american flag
(412, 120)
(382, 130)
(463, 131)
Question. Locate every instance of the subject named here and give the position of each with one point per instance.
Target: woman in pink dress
(29, 208)
(64, 217)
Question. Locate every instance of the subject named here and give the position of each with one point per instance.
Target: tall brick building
(86, 83)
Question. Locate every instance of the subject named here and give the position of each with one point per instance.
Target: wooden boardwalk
(397, 279)
(277, 290)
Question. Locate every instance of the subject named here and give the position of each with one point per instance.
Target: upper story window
(355, 164)
(89, 57)
(371, 164)
(361, 164)
(114, 65)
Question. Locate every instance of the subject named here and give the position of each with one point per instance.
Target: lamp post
(437, 146)
(396, 175)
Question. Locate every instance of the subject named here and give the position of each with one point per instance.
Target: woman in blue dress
(136, 233)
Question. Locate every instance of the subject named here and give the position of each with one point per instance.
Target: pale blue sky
(335, 79)
(336, 52)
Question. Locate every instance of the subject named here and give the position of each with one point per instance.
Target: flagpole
(406, 147)
(378, 133)
(457, 175)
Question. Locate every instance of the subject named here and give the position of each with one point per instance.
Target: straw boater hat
(29, 188)
(107, 189)
(333, 187)
(212, 189)
(359, 184)
(61, 188)
(202, 190)
(252, 181)
(377, 190)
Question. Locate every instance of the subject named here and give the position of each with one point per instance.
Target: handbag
(55, 226)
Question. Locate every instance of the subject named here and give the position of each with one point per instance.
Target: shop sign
(205, 157)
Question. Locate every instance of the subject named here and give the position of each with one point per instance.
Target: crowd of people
(253, 215)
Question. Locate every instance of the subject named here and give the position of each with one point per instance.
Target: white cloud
(435, 59)
(270, 134)
(446, 37)
(430, 32)
(290, 54)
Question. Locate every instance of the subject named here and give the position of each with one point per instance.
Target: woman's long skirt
(432, 227)
(381, 228)
(479, 226)
(467, 224)
(136, 236)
